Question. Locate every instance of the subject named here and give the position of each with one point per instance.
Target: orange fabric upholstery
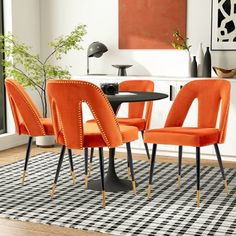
(66, 98)
(210, 95)
(26, 116)
(137, 122)
(183, 136)
(136, 116)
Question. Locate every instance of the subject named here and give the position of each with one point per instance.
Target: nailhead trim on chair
(69, 82)
(33, 112)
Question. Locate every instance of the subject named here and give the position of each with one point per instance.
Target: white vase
(45, 141)
(200, 58)
(189, 65)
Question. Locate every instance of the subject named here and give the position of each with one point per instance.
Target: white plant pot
(45, 141)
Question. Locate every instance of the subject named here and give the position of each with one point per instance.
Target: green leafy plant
(180, 42)
(32, 71)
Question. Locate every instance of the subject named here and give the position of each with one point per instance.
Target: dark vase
(207, 64)
(194, 67)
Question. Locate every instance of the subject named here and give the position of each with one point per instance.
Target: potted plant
(32, 71)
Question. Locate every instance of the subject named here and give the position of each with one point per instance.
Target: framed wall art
(149, 24)
(223, 25)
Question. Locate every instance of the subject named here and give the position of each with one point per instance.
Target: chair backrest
(24, 111)
(136, 110)
(210, 94)
(66, 98)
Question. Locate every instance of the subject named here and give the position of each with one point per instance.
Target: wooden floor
(17, 228)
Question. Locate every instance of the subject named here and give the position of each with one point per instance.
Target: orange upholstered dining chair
(70, 130)
(28, 120)
(139, 113)
(213, 98)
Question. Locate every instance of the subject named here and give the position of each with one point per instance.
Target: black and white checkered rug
(170, 212)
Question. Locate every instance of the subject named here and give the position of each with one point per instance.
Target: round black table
(112, 182)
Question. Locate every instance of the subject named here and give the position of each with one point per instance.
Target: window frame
(3, 125)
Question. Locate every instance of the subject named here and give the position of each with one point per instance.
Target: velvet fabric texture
(27, 117)
(213, 98)
(66, 98)
(136, 116)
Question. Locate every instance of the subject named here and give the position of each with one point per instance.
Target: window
(2, 90)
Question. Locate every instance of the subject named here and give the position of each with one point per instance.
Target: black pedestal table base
(112, 182)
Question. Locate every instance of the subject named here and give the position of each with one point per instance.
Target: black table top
(136, 96)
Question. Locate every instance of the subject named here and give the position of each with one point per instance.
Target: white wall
(101, 17)
(22, 18)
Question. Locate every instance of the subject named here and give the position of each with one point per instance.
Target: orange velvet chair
(213, 98)
(66, 98)
(139, 113)
(28, 120)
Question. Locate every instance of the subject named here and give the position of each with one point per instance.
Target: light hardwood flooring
(17, 228)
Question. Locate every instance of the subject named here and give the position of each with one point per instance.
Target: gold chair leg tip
(134, 187)
(226, 186)
(179, 181)
(73, 176)
(149, 191)
(53, 191)
(103, 199)
(198, 198)
(24, 175)
(86, 181)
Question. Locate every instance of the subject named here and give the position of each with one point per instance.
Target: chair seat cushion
(93, 137)
(47, 124)
(184, 136)
(137, 122)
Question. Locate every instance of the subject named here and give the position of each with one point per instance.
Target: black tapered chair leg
(24, 174)
(86, 167)
(91, 161)
(101, 158)
(221, 166)
(179, 165)
(72, 173)
(58, 170)
(198, 175)
(151, 170)
(146, 146)
(130, 161)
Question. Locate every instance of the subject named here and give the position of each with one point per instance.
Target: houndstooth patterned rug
(170, 212)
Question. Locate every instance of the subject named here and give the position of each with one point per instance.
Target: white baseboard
(10, 140)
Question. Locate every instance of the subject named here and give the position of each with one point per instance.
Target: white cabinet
(229, 146)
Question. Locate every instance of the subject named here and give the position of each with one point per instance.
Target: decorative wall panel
(149, 24)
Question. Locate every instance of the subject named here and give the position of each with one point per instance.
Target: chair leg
(91, 161)
(179, 165)
(221, 167)
(146, 146)
(86, 167)
(102, 177)
(130, 161)
(151, 169)
(198, 175)
(72, 173)
(58, 170)
(24, 174)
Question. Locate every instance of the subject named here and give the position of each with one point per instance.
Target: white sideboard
(171, 86)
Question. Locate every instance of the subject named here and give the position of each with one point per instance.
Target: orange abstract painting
(149, 24)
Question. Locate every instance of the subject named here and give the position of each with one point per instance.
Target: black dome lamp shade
(95, 49)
